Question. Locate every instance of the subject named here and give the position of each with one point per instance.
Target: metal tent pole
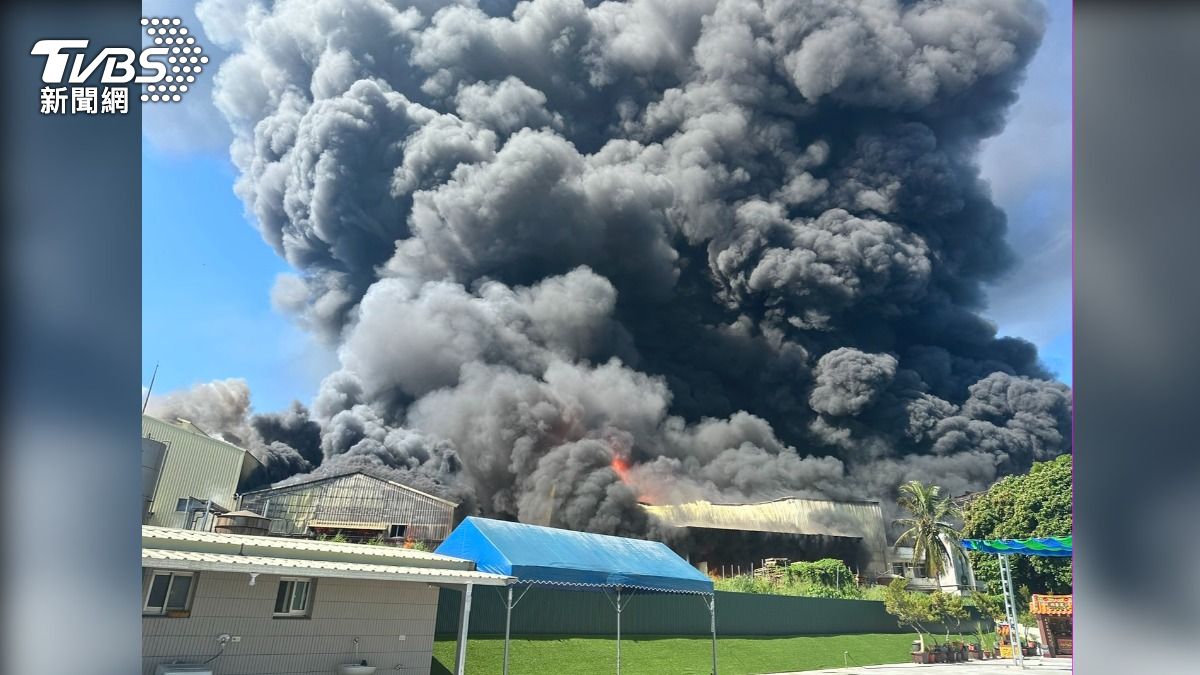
(507, 627)
(464, 621)
(712, 616)
(1010, 609)
(618, 630)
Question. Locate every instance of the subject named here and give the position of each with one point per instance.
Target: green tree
(949, 610)
(928, 524)
(826, 571)
(910, 609)
(989, 605)
(1037, 504)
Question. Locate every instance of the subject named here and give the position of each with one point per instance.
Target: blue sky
(206, 277)
(207, 274)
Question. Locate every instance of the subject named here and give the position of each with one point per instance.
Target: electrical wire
(214, 656)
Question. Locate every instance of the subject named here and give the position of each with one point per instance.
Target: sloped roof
(180, 425)
(790, 515)
(546, 555)
(232, 562)
(280, 547)
(342, 474)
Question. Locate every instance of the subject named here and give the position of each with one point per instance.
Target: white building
(957, 578)
(252, 605)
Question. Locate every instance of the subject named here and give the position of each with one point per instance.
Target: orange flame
(621, 468)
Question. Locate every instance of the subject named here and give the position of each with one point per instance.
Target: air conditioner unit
(182, 669)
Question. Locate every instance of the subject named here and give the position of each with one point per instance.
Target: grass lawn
(648, 655)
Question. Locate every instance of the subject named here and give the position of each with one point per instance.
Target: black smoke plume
(739, 246)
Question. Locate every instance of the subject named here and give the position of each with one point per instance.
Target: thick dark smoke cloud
(739, 245)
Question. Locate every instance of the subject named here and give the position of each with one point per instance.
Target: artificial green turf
(648, 655)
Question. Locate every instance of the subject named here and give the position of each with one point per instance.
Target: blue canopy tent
(1043, 547)
(580, 561)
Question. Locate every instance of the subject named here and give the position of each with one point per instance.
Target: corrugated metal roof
(343, 474)
(281, 547)
(789, 516)
(229, 562)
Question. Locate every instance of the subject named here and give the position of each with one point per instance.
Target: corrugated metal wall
(554, 612)
(194, 466)
(351, 498)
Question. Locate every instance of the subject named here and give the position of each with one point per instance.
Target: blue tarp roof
(547, 555)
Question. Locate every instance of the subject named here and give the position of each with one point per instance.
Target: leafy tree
(928, 524)
(948, 609)
(1037, 504)
(910, 609)
(989, 605)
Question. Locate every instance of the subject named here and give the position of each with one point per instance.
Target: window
(168, 593)
(294, 597)
(919, 572)
(898, 569)
(396, 531)
(181, 505)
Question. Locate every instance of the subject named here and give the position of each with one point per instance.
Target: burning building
(355, 504)
(539, 235)
(738, 536)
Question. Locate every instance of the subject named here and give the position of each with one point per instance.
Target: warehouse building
(249, 605)
(733, 539)
(358, 505)
(719, 538)
(188, 477)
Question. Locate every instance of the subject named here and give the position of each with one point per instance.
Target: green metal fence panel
(546, 611)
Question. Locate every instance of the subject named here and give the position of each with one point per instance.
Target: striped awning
(1045, 547)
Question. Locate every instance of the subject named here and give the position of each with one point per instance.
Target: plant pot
(920, 657)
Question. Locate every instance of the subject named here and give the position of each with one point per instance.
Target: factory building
(721, 537)
(188, 477)
(358, 505)
(731, 539)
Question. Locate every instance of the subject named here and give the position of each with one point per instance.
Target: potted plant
(941, 655)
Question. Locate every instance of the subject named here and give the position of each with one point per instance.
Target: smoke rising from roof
(740, 244)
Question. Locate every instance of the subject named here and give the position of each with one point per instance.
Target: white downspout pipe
(464, 621)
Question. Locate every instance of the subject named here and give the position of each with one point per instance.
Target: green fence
(545, 611)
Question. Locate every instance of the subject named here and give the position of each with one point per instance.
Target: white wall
(377, 612)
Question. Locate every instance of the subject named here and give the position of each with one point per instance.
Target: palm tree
(928, 525)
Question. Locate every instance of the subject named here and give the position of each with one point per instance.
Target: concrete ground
(1033, 665)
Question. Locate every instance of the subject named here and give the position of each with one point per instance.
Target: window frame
(166, 610)
(291, 613)
(403, 530)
